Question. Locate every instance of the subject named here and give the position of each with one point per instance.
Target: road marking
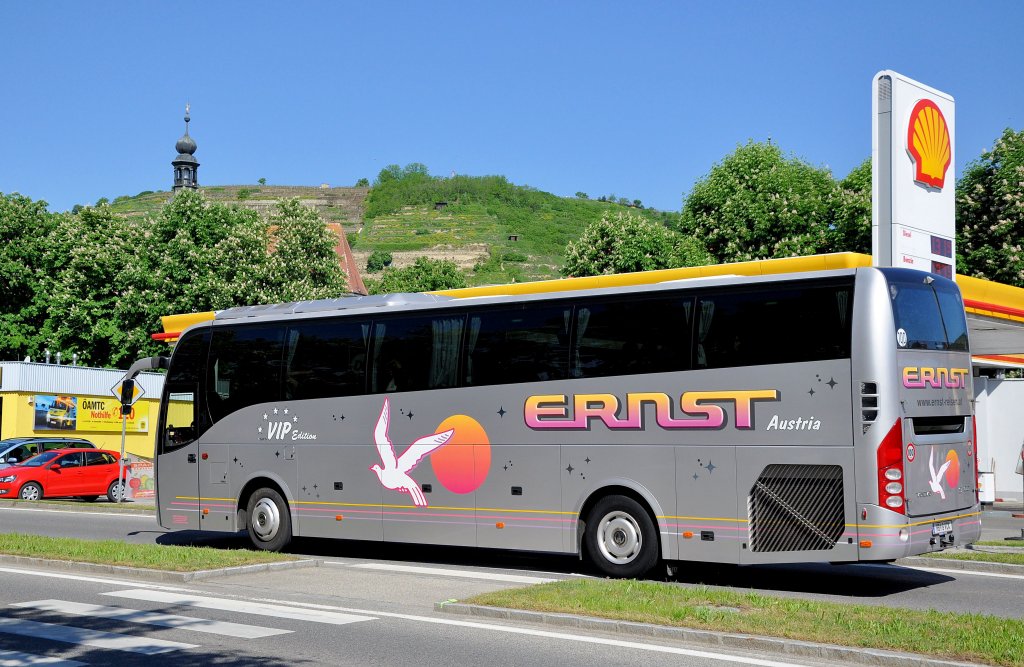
(147, 517)
(17, 659)
(243, 607)
(973, 573)
(467, 574)
(92, 580)
(583, 639)
(152, 618)
(83, 637)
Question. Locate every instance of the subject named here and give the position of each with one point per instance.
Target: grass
(99, 506)
(981, 556)
(1000, 543)
(975, 637)
(113, 552)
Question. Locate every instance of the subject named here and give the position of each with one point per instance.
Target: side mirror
(12, 461)
(56, 467)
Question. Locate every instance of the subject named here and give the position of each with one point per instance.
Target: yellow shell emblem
(928, 143)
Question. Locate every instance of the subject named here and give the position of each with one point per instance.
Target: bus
(820, 416)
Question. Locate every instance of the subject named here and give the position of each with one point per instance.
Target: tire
(114, 491)
(31, 491)
(269, 521)
(88, 499)
(620, 539)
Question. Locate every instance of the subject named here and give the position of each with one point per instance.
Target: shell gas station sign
(913, 193)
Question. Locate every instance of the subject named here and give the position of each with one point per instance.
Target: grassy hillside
(496, 231)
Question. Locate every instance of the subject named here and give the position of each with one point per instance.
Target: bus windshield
(928, 311)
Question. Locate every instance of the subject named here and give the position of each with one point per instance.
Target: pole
(120, 473)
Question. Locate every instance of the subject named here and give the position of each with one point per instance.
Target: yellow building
(75, 401)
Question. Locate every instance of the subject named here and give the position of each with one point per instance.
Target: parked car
(80, 472)
(15, 450)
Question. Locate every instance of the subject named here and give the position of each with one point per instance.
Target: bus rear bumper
(885, 535)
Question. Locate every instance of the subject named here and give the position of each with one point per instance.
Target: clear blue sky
(638, 99)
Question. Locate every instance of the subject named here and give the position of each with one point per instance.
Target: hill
(494, 230)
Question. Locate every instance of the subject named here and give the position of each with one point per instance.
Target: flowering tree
(626, 242)
(424, 275)
(990, 213)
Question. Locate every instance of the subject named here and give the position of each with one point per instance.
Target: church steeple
(186, 168)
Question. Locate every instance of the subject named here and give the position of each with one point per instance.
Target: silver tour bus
(821, 416)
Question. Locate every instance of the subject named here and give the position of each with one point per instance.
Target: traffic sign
(137, 391)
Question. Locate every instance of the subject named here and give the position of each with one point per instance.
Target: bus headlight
(894, 487)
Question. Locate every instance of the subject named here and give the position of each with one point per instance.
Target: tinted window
(98, 459)
(636, 336)
(326, 359)
(416, 353)
(517, 344)
(929, 310)
(777, 325)
(244, 368)
(178, 409)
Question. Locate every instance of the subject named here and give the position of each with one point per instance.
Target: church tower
(186, 168)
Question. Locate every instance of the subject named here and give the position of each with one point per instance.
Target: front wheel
(620, 539)
(115, 491)
(31, 491)
(270, 524)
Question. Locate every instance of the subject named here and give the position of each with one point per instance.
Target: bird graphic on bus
(394, 474)
(934, 482)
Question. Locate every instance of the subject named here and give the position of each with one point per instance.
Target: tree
(582, 195)
(758, 204)
(262, 181)
(378, 261)
(303, 263)
(990, 213)
(850, 229)
(626, 242)
(425, 275)
(25, 227)
(363, 183)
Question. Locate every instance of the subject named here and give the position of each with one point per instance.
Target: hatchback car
(83, 473)
(15, 450)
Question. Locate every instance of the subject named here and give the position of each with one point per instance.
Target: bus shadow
(865, 580)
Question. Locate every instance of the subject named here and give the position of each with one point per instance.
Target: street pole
(120, 474)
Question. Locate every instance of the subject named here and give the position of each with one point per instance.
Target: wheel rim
(266, 519)
(116, 490)
(30, 493)
(619, 538)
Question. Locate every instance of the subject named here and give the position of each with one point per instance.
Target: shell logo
(928, 143)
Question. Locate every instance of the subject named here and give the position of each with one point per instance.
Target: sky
(636, 99)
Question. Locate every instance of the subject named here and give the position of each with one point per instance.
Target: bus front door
(177, 469)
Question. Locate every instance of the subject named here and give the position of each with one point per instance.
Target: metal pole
(120, 474)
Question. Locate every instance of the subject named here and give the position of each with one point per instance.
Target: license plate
(942, 528)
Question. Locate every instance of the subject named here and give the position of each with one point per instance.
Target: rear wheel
(620, 538)
(270, 524)
(31, 491)
(115, 491)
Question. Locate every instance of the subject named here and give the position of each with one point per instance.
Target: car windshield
(41, 460)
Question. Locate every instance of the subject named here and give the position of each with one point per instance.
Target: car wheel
(115, 491)
(270, 524)
(88, 499)
(620, 539)
(31, 491)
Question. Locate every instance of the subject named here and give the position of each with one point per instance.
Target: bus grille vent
(868, 405)
(796, 508)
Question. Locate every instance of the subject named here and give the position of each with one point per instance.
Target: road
(888, 585)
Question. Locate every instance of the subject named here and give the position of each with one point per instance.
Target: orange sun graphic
(953, 471)
(462, 464)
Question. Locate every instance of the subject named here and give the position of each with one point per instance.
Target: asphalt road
(889, 585)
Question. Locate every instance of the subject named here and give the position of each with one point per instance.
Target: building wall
(1000, 432)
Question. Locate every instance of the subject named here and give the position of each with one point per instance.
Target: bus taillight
(890, 470)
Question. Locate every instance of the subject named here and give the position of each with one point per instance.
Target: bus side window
(326, 359)
(516, 344)
(416, 353)
(244, 368)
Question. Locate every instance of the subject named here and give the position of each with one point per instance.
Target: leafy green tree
(990, 213)
(850, 229)
(262, 181)
(25, 230)
(304, 263)
(363, 183)
(627, 242)
(759, 204)
(425, 275)
(392, 172)
(378, 261)
(582, 195)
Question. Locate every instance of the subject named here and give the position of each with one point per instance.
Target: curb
(147, 574)
(965, 565)
(705, 638)
(139, 509)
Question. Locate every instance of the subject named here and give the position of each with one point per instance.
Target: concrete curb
(146, 574)
(965, 565)
(704, 638)
(91, 508)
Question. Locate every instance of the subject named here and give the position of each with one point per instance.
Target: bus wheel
(31, 491)
(620, 539)
(270, 524)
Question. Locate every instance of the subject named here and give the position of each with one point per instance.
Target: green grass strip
(974, 637)
(980, 556)
(1000, 543)
(114, 552)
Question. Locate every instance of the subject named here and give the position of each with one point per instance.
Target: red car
(85, 473)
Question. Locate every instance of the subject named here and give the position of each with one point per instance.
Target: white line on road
(583, 639)
(147, 517)
(973, 573)
(18, 659)
(92, 580)
(243, 607)
(468, 574)
(152, 618)
(84, 637)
